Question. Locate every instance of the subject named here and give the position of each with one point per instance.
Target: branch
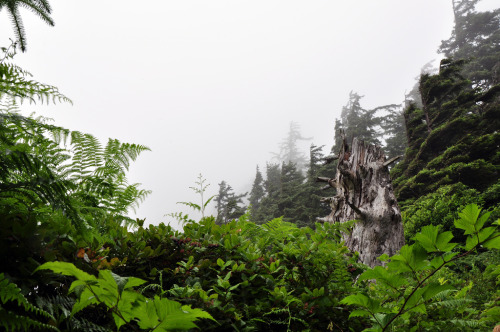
(360, 212)
(390, 161)
(331, 182)
(400, 312)
(326, 219)
(326, 199)
(330, 159)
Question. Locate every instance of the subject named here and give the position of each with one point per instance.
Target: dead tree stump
(365, 193)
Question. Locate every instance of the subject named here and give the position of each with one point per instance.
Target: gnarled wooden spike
(364, 192)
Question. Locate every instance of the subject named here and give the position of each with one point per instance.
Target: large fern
(40, 8)
(24, 316)
(83, 179)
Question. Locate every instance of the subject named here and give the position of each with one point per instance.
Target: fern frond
(41, 8)
(9, 292)
(13, 322)
(14, 84)
(17, 23)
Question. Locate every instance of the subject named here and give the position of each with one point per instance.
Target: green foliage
(125, 304)
(15, 82)
(40, 8)
(200, 190)
(409, 284)
(229, 205)
(453, 135)
(438, 208)
(25, 315)
(239, 270)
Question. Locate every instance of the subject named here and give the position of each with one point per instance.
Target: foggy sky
(211, 86)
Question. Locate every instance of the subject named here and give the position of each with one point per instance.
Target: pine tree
(269, 204)
(453, 140)
(310, 193)
(393, 125)
(475, 38)
(289, 150)
(229, 205)
(256, 195)
(356, 122)
(289, 196)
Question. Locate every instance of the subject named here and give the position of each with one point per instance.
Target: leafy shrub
(410, 292)
(438, 208)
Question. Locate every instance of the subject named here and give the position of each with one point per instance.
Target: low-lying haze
(211, 86)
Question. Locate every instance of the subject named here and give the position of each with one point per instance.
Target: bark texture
(364, 192)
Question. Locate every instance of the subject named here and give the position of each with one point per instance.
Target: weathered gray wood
(364, 192)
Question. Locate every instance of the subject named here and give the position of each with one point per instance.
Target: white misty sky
(211, 86)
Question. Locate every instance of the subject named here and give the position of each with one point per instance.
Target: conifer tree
(269, 204)
(309, 192)
(289, 150)
(393, 125)
(289, 196)
(229, 205)
(257, 194)
(356, 121)
(475, 38)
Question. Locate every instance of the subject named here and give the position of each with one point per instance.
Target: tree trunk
(364, 192)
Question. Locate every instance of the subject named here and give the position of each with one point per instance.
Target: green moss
(438, 208)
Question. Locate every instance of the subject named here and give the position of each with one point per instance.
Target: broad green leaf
(357, 299)
(67, 269)
(77, 286)
(485, 233)
(362, 300)
(493, 242)
(220, 262)
(471, 242)
(107, 282)
(382, 275)
(359, 313)
(480, 222)
(130, 304)
(119, 322)
(86, 298)
(384, 319)
(428, 237)
(167, 315)
(410, 258)
(383, 258)
(433, 289)
(468, 219)
(415, 299)
(443, 242)
(133, 282)
(419, 308)
(120, 282)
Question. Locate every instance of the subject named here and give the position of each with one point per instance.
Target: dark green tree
(475, 38)
(393, 125)
(256, 194)
(357, 121)
(309, 192)
(272, 186)
(452, 141)
(40, 8)
(291, 180)
(228, 204)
